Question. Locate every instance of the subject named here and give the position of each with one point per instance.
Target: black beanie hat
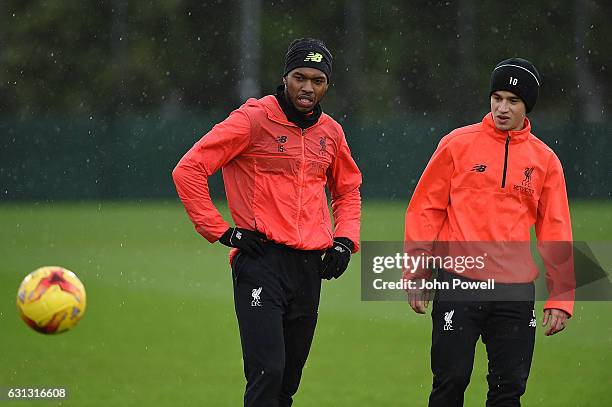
(310, 53)
(518, 76)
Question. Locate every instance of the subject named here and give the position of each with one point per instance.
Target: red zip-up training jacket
(482, 184)
(275, 176)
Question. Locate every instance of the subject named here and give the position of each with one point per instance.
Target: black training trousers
(507, 329)
(276, 298)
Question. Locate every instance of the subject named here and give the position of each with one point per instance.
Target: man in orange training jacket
(491, 182)
(277, 154)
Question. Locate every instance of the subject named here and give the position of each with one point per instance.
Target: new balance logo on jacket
(281, 140)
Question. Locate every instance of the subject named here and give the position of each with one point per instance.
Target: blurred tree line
(117, 72)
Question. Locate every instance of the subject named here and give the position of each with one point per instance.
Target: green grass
(160, 328)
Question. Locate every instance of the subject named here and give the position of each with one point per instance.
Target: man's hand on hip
(336, 258)
(252, 243)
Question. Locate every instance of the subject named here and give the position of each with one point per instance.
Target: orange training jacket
(482, 184)
(274, 175)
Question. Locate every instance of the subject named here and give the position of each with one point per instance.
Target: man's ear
(285, 80)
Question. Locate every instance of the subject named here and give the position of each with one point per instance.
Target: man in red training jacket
(277, 154)
(491, 182)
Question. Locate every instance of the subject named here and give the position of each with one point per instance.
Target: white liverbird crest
(256, 300)
(448, 320)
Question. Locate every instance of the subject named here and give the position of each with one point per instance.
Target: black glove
(336, 258)
(252, 243)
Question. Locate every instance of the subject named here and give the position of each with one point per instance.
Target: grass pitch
(160, 328)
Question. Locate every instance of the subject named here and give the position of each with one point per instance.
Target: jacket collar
(519, 136)
(276, 114)
(303, 121)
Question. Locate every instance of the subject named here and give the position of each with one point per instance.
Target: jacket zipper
(301, 187)
(503, 183)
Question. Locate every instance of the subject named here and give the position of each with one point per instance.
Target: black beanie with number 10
(518, 76)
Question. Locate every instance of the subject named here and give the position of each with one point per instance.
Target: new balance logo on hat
(308, 53)
(314, 57)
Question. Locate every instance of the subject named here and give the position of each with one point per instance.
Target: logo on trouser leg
(256, 300)
(448, 320)
(532, 323)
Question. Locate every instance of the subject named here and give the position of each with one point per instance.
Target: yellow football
(51, 300)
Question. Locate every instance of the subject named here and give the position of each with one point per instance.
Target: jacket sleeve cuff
(212, 234)
(567, 306)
